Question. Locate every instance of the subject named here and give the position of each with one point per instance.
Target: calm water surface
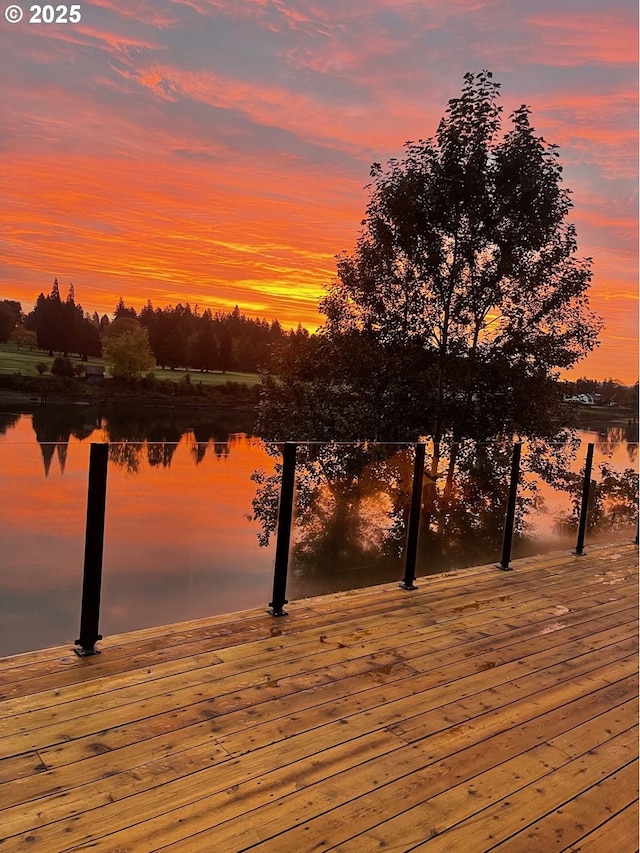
(180, 540)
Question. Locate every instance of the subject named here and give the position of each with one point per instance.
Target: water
(185, 518)
(179, 540)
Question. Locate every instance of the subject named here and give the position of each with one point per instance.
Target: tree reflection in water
(135, 437)
(352, 502)
(613, 501)
(7, 421)
(352, 506)
(54, 426)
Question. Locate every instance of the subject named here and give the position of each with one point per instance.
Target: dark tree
(10, 318)
(7, 322)
(62, 326)
(226, 355)
(46, 320)
(464, 293)
(205, 347)
(121, 310)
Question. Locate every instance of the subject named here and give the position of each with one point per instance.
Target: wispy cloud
(605, 37)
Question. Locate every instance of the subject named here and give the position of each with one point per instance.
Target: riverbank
(602, 417)
(187, 393)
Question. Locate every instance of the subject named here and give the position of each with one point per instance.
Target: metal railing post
(511, 509)
(584, 505)
(285, 515)
(93, 548)
(414, 520)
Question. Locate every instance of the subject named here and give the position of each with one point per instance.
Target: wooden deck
(486, 711)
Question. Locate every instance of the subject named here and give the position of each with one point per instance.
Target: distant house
(94, 373)
(583, 399)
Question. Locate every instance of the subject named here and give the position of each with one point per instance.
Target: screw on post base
(504, 568)
(83, 652)
(277, 611)
(86, 653)
(408, 586)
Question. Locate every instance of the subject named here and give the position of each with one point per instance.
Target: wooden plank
(460, 759)
(581, 815)
(75, 719)
(414, 688)
(224, 636)
(433, 692)
(206, 810)
(117, 695)
(65, 731)
(106, 754)
(450, 718)
(619, 833)
(143, 640)
(167, 803)
(385, 787)
(66, 805)
(24, 765)
(39, 696)
(503, 816)
(607, 632)
(368, 628)
(196, 752)
(207, 709)
(475, 815)
(417, 725)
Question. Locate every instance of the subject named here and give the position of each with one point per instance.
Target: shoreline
(39, 392)
(119, 401)
(30, 402)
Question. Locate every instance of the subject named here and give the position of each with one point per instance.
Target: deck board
(486, 710)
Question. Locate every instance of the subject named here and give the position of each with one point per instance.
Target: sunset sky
(216, 151)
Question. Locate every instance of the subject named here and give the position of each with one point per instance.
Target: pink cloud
(144, 12)
(84, 36)
(578, 38)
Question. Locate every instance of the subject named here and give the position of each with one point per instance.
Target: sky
(216, 152)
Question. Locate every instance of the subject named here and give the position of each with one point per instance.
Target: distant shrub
(62, 367)
(42, 367)
(56, 385)
(150, 382)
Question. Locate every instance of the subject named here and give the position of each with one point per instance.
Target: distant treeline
(179, 336)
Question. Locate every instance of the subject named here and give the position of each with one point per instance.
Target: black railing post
(93, 548)
(285, 516)
(414, 520)
(584, 505)
(511, 508)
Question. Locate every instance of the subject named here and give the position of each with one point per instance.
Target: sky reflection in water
(180, 543)
(178, 540)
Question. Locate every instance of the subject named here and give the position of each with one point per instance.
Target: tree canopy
(128, 352)
(463, 299)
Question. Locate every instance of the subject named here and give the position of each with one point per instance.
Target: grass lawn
(24, 361)
(207, 378)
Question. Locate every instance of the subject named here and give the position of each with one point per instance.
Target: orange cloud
(148, 162)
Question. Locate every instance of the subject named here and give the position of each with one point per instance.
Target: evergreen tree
(121, 310)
